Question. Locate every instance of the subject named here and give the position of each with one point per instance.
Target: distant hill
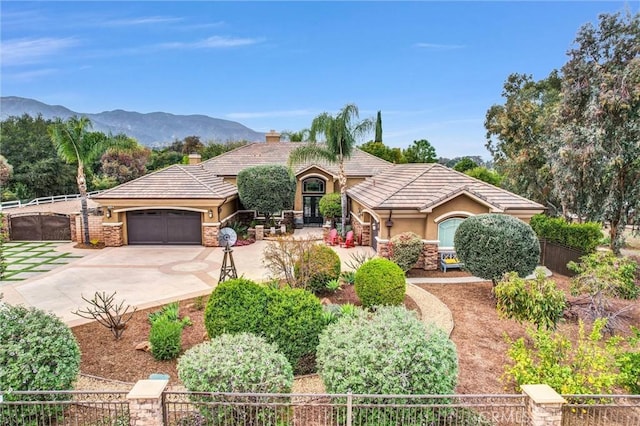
(152, 129)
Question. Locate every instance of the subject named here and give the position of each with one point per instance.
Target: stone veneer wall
(210, 235)
(428, 259)
(95, 228)
(362, 232)
(112, 233)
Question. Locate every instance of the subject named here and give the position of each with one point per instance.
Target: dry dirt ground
(478, 334)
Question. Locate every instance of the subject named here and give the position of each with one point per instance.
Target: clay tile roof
(425, 186)
(177, 181)
(255, 154)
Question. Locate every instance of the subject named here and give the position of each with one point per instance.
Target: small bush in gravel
(317, 266)
(380, 282)
(236, 306)
(37, 352)
(405, 249)
(386, 352)
(239, 363)
(165, 338)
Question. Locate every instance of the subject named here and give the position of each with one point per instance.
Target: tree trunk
(342, 179)
(82, 188)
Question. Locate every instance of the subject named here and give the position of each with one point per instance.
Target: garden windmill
(227, 238)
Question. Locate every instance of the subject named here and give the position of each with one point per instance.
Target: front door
(311, 211)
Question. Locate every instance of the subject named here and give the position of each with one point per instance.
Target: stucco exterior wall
(460, 204)
(329, 184)
(119, 208)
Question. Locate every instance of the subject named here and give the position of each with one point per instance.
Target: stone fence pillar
(544, 405)
(145, 403)
(259, 232)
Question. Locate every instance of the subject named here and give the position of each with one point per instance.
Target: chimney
(194, 159)
(273, 137)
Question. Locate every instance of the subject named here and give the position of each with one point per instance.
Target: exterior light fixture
(109, 211)
(210, 213)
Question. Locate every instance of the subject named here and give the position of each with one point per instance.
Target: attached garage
(164, 227)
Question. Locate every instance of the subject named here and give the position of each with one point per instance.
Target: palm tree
(299, 136)
(340, 133)
(75, 144)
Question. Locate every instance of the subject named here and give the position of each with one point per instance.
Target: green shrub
(581, 236)
(491, 245)
(538, 301)
(165, 338)
(293, 322)
(170, 311)
(604, 272)
(349, 277)
(405, 249)
(37, 352)
(380, 282)
(235, 306)
(330, 205)
(290, 318)
(387, 352)
(318, 265)
(629, 364)
(587, 368)
(240, 363)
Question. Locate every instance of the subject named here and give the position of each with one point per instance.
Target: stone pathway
(432, 310)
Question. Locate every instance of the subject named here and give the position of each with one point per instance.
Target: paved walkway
(147, 276)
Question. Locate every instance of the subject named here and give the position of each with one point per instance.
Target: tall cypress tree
(378, 128)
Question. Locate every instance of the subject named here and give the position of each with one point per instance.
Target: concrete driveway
(142, 276)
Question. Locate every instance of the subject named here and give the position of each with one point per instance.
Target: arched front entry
(313, 189)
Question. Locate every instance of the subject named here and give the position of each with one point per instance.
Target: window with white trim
(447, 229)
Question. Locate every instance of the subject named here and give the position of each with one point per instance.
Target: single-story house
(188, 204)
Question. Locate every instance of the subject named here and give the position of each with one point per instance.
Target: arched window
(313, 186)
(446, 231)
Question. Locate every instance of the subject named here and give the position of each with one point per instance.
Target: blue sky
(432, 68)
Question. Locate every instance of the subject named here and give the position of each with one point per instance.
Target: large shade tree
(595, 150)
(420, 151)
(517, 132)
(267, 189)
(341, 133)
(77, 145)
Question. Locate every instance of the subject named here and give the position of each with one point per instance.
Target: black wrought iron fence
(188, 408)
(64, 408)
(601, 410)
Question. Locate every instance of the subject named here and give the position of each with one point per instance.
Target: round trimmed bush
(290, 318)
(330, 205)
(37, 352)
(387, 352)
(235, 363)
(380, 282)
(318, 266)
(491, 245)
(236, 306)
(405, 249)
(165, 338)
(238, 363)
(294, 320)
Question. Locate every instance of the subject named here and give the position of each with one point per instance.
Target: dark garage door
(164, 227)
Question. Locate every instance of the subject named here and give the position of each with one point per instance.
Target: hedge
(582, 236)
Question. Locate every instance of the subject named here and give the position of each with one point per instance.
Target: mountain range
(151, 129)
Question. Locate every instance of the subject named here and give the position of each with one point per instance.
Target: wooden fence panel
(556, 256)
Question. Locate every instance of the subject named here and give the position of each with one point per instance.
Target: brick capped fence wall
(95, 228)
